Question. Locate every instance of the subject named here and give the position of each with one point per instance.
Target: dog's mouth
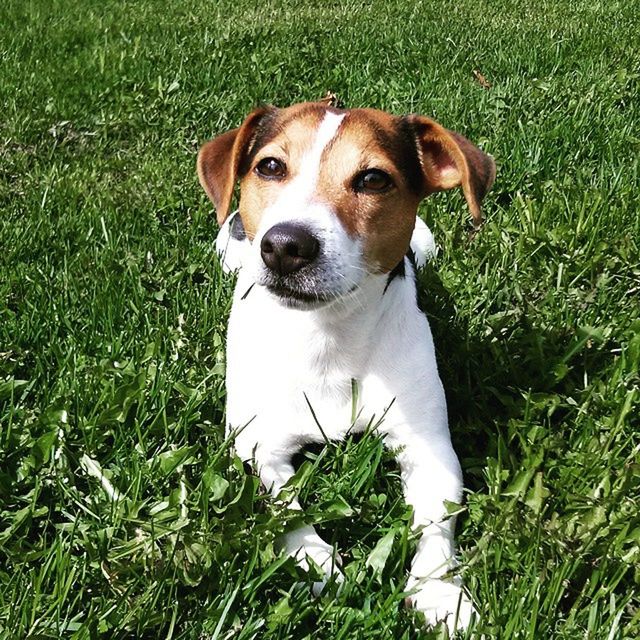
(298, 298)
(303, 291)
(311, 287)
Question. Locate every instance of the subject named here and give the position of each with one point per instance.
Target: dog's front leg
(431, 475)
(275, 470)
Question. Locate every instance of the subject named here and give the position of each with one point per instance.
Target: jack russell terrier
(326, 295)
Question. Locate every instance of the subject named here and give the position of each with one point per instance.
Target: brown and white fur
(325, 296)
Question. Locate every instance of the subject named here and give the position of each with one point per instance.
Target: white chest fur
(292, 374)
(290, 381)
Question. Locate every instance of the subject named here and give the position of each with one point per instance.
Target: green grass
(123, 512)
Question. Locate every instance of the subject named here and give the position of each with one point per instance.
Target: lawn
(123, 511)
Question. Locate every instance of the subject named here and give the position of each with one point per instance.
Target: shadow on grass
(489, 375)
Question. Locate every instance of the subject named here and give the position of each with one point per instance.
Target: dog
(326, 298)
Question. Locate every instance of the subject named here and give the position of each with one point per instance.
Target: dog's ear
(219, 161)
(450, 160)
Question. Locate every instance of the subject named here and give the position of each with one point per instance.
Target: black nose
(288, 247)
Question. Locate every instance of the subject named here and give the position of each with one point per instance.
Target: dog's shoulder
(232, 243)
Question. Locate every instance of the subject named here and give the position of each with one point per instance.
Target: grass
(123, 511)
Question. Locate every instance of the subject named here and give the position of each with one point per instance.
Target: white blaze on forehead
(303, 186)
(340, 266)
(295, 201)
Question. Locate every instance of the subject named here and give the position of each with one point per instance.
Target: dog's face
(328, 196)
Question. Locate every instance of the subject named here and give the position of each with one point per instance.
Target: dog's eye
(373, 181)
(271, 168)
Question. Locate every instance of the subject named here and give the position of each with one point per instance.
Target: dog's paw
(315, 555)
(442, 601)
(325, 561)
(332, 573)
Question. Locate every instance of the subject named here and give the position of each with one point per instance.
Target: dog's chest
(282, 367)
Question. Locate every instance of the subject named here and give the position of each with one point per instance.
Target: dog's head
(328, 196)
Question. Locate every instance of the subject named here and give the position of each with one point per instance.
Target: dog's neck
(356, 308)
(349, 323)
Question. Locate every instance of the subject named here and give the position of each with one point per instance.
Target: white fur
(341, 254)
(281, 360)
(422, 243)
(231, 251)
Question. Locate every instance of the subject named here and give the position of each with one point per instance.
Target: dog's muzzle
(295, 269)
(287, 248)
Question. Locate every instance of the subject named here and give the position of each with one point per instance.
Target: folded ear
(220, 159)
(450, 160)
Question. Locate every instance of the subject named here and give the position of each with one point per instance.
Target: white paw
(328, 562)
(422, 243)
(442, 601)
(308, 549)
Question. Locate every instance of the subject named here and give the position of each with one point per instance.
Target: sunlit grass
(123, 511)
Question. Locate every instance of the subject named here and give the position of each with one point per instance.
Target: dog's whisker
(246, 293)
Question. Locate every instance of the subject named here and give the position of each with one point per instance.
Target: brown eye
(271, 168)
(373, 181)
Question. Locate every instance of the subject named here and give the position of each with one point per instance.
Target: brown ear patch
(220, 159)
(449, 160)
